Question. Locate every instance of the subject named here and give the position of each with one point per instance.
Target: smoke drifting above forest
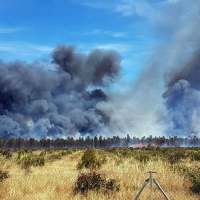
(182, 75)
(182, 97)
(39, 103)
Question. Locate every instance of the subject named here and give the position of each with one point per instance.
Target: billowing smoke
(182, 78)
(183, 97)
(40, 103)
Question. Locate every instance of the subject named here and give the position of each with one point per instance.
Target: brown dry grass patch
(55, 180)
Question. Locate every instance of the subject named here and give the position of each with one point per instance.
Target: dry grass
(55, 180)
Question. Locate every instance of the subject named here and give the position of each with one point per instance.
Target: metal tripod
(151, 179)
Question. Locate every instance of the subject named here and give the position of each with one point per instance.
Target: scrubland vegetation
(92, 174)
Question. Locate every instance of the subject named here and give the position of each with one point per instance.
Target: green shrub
(28, 159)
(143, 157)
(175, 157)
(182, 169)
(54, 157)
(66, 152)
(21, 154)
(32, 161)
(126, 153)
(94, 181)
(196, 156)
(89, 160)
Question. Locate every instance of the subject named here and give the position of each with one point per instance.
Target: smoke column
(165, 97)
(35, 102)
(182, 79)
(183, 97)
(173, 71)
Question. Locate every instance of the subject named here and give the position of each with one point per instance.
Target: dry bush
(94, 181)
(3, 175)
(6, 153)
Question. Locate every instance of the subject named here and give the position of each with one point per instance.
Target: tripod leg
(142, 188)
(154, 180)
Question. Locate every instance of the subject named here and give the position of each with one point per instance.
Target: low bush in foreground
(195, 178)
(94, 181)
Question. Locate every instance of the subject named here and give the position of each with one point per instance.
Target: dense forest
(99, 142)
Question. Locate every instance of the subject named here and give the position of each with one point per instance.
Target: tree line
(98, 142)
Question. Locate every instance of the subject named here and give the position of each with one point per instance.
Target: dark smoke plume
(182, 80)
(36, 102)
(183, 96)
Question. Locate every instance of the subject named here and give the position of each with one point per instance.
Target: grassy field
(51, 174)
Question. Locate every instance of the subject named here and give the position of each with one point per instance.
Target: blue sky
(30, 30)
